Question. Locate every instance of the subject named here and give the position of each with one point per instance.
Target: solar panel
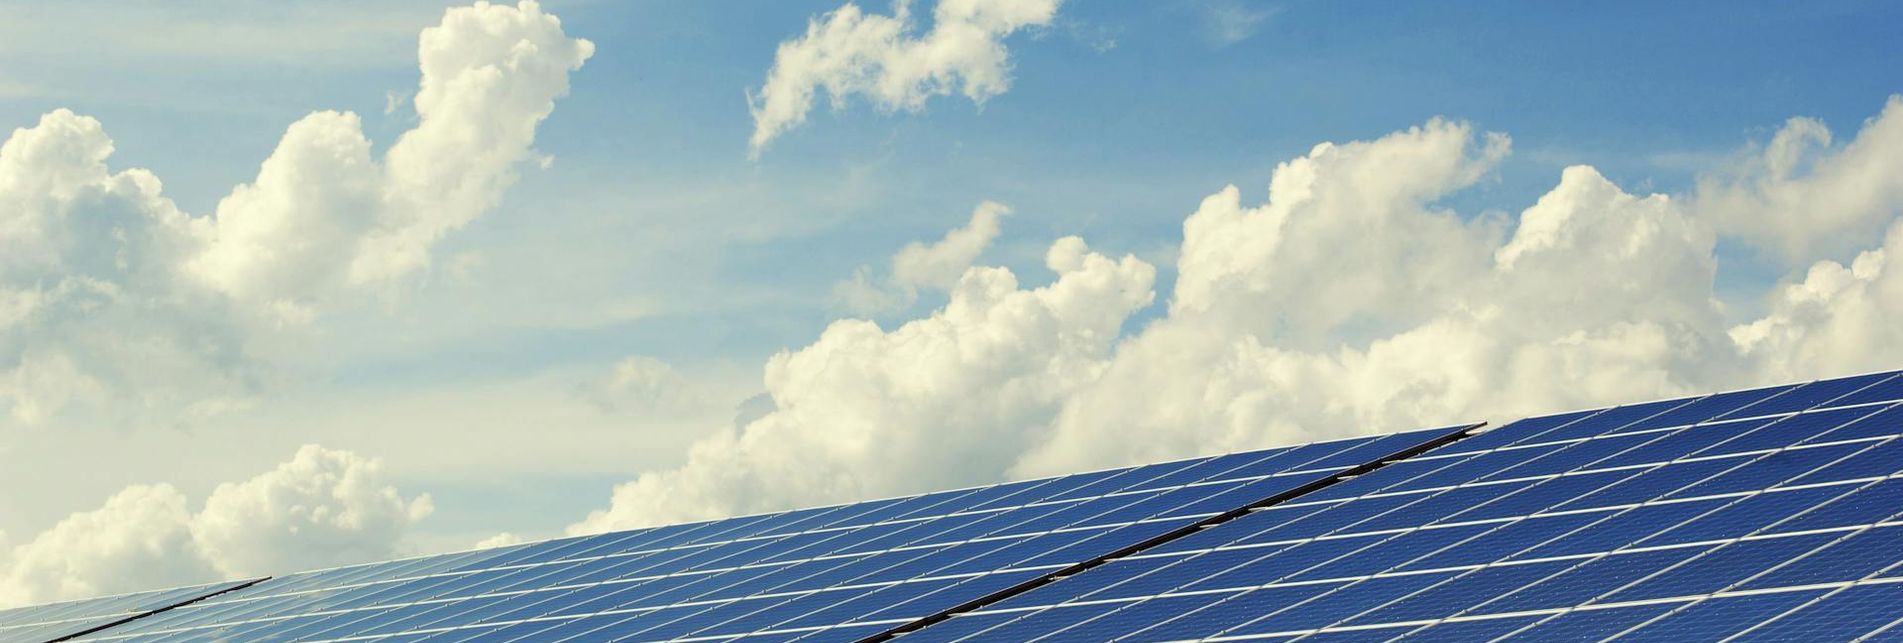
(64, 620)
(838, 573)
(1755, 514)
(1765, 514)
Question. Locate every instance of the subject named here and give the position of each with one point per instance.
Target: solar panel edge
(192, 598)
(1686, 399)
(1452, 434)
(531, 543)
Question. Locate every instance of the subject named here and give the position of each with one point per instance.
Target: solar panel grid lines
(69, 619)
(1159, 474)
(1781, 560)
(1547, 431)
(1751, 514)
(1799, 547)
(353, 612)
(1648, 608)
(1446, 436)
(1192, 612)
(1887, 574)
(1799, 518)
(942, 499)
(1363, 444)
(1588, 562)
(1581, 564)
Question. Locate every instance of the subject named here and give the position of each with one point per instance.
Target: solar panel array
(838, 573)
(68, 619)
(1767, 514)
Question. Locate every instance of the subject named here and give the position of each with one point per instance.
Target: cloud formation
(937, 401)
(1348, 302)
(921, 266)
(111, 295)
(322, 508)
(883, 58)
(1801, 198)
(641, 383)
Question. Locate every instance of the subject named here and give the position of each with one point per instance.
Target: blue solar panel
(833, 573)
(63, 620)
(1763, 514)
(1649, 520)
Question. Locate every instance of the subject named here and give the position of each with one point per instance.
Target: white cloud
(323, 507)
(138, 540)
(323, 214)
(91, 305)
(1227, 22)
(865, 412)
(1346, 303)
(1837, 319)
(919, 266)
(503, 539)
(1803, 199)
(1348, 240)
(112, 296)
(849, 52)
(1513, 329)
(643, 383)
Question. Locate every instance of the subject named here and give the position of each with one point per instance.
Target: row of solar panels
(1754, 515)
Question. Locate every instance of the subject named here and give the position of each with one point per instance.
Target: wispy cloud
(1227, 22)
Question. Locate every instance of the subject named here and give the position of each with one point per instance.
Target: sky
(292, 285)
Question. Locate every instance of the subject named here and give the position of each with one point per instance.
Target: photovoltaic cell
(1765, 514)
(1686, 519)
(830, 574)
(59, 621)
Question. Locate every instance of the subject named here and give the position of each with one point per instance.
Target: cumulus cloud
(936, 401)
(1837, 318)
(883, 58)
(323, 213)
(1347, 302)
(919, 266)
(1801, 198)
(111, 294)
(1514, 330)
(92, 304)
(323, 507)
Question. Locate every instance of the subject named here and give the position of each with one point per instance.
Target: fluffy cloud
(937, 401)
(110, 294)
(323, 507)
(1801, 198)
(1346, 303)
(503, 539)
(919, 266)
(1512, 330)
(1838, 318)
(92, 305)
(323, 213)
(850, 52)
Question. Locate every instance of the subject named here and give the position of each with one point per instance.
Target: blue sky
(652, 233)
